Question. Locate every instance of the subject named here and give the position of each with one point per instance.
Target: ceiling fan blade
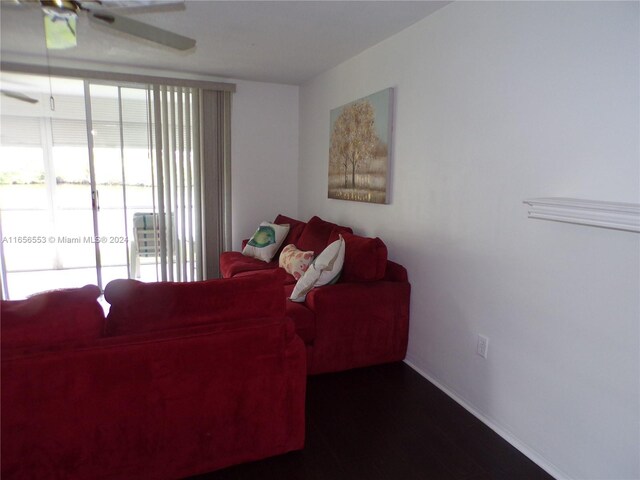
(140, 3)
(133, 6)
(18, 96)
(142, 30)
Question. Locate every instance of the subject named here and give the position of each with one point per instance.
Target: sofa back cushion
(295, 229)
(316, 233)
(365, 259)
(142, 307)
(51, 318)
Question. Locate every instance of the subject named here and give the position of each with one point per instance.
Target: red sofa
(188, 378)
(361, 320)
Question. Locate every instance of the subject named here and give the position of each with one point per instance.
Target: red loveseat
(361, 320)
(190, 378)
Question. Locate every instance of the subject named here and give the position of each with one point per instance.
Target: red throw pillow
(52, 317)
(365, 259)
(316, 233)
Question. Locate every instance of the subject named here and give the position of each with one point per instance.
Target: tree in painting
(353, 140)
(338, 158)
(360, 132)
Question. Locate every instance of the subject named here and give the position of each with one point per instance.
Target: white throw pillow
(325, 269)
(264, 244)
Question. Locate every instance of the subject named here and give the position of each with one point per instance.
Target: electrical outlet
(483, 346)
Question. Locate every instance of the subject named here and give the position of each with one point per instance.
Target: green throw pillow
(264, 244)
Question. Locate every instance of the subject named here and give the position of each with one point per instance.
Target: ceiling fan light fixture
(61, 6)
(61, 16)
(60, 30)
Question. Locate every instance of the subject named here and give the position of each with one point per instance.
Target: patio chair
(146, 239)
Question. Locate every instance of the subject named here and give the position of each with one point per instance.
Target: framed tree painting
(360, 149)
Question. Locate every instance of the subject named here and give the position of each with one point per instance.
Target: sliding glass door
(45, 191)
(102, 180)
(123, 178)
(71, 180)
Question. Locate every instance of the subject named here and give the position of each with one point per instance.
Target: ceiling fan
(60, 17)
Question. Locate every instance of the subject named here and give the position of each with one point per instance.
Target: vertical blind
(176, 120)
(216, 199)
(192, 179)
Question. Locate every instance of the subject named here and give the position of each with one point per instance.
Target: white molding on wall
(594, 213)
(525, 449)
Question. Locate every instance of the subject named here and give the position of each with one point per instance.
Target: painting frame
(360, 149)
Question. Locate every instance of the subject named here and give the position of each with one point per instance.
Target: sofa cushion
(316, 233)
(52, 317)
(295, 262)
(288, 278)
(233, 263)
(365, 259)
(142, 307)
(266, 241)
(295, 229)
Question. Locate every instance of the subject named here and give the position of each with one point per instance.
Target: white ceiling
(283, 42)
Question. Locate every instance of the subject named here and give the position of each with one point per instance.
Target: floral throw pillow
(295, 261)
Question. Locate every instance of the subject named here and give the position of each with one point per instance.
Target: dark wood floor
(388, 422)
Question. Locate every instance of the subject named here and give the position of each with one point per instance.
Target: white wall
(264, 151)
(498, 102)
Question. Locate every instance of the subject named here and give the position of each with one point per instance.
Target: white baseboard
(529, 452)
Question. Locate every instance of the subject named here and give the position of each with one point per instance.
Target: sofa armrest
(359, 324)
(352, 298)
(395, 272)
